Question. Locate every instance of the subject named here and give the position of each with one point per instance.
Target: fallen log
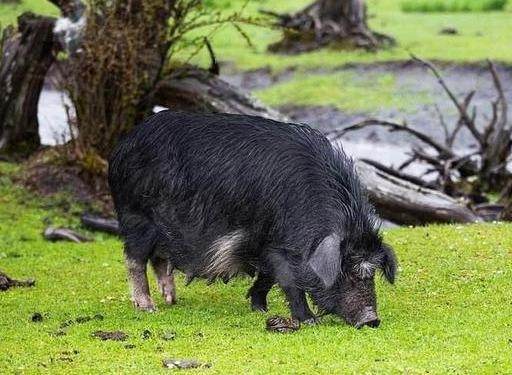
(404, 202)
(197, 90)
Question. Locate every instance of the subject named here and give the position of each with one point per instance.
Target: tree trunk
(193, 89)
(26, 56)
(328, 22)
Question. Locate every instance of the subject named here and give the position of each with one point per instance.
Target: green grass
(481, 36)
(345, 91)
(427, 6)
(9, 12)
(449, 311)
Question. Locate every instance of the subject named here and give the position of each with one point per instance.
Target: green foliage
(345, 91)
(449, 311)
(431, 6)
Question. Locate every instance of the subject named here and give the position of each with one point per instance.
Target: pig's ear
(388, 263)
(326, 259)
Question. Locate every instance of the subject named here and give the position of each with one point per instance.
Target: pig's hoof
(259, 308)
(169, 300)
(311, 321)
(145, 305)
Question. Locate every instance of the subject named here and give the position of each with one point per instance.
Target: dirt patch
(47, 173)
(114, 335)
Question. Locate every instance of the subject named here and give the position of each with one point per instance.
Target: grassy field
(449, 311)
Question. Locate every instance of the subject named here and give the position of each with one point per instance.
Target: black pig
(216, 195)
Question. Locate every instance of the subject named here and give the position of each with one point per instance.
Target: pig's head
(344, 272)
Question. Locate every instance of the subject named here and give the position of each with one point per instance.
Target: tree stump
(340, 23)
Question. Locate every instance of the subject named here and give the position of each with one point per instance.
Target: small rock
(182, 363)
(168, 336)
(114, 335)
(282, 325)
(37, 317)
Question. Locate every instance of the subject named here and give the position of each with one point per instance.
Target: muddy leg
(163, 271)
(139, 284)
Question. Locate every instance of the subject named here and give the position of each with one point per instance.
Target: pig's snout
(368, 318)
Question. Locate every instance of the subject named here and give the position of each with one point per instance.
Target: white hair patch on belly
(223, 261)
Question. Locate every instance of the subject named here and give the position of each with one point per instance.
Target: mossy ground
(449, 311)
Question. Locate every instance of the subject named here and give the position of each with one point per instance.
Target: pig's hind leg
(259, 290)
(140, 236)
(164, 274)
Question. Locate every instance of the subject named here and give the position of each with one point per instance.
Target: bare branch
(444, 151)
(470, 124)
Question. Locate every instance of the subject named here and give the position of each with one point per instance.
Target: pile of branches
(471, 175)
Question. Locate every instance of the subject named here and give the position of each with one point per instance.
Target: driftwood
(193, 89)
(25, 57)
(404, 202)
(6, 282)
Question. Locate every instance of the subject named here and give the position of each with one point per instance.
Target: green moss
(346, 91)
(448, 312)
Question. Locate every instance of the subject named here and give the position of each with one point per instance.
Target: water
(53, 121)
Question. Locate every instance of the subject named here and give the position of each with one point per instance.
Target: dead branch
(442, 149)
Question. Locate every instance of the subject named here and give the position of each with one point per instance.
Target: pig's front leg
(295, 296)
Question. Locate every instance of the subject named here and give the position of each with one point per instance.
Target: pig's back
(240, 170)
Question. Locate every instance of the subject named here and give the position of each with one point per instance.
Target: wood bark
(26, 57)
(328, 22)
(193, 89)
(404, 202)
